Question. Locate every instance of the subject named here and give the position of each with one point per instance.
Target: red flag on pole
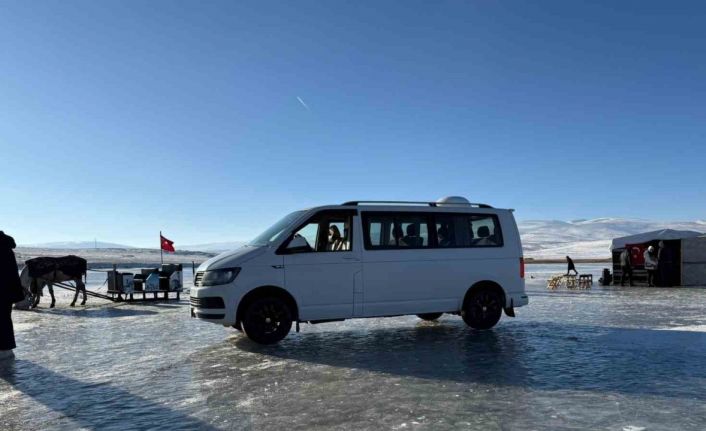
(167, 245)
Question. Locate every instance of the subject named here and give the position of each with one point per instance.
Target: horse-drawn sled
(69, 272)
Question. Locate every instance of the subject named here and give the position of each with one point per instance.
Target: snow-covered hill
(587, 239)
(75, 245)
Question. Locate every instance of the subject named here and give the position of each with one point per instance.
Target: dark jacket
(10, 286)
(570, 262)
(664, 255)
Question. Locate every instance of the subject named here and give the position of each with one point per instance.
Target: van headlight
(219, 276)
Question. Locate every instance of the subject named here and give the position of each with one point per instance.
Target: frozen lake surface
(613, 359)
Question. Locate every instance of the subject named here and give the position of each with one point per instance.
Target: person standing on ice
(10, 292)
(625, 267)
(665, 260)
(650, 265)
(571, 266)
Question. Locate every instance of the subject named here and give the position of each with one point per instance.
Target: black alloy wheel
(267, 320)
(483, 309)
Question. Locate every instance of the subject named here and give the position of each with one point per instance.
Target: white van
(367, 259)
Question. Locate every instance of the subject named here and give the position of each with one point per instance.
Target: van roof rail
(431, 204)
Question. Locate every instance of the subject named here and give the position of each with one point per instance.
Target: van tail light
(522, 267)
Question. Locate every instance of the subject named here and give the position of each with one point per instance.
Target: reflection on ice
(94, 405)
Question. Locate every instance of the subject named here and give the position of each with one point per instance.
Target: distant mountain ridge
(75, 245)
(85, 245)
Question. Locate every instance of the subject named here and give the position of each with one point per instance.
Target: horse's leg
(51, 292)
(82, 285)
(35, 287)
(73, 303)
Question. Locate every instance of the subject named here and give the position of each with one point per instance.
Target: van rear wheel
(482, 309)
(429, 317)
(267, 320)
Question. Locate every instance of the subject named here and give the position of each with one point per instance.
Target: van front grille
(207, 302)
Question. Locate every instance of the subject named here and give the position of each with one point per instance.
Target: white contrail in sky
(302, 102)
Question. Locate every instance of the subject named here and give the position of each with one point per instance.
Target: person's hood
(6, 241)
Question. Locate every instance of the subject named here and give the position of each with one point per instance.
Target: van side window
(328, 232)
(309, 232)
(396, 230)
(448, 230)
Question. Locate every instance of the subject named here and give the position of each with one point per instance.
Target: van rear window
(438, 230)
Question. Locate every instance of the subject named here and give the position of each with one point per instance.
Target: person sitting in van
(650, 265)
(335, 241)
(484, 237)
(397, 236)
(412, 239)
(444, 237)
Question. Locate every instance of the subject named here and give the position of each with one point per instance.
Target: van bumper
(213, 304)
(514, 300)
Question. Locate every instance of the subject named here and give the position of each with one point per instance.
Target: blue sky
(121, 118)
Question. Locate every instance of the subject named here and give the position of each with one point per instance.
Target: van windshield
(272, 233)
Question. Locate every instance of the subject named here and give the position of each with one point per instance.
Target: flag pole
(161, 252)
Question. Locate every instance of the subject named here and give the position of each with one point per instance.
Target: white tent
(664, 234)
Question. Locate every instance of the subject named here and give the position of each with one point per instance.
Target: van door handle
(350, 258)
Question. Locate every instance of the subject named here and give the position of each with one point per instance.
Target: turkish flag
(637, 254)
(166, 244)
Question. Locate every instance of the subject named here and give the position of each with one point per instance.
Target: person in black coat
(570, 266)
(665, 262)
(10, 292)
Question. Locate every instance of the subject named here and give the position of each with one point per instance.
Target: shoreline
(531, 261)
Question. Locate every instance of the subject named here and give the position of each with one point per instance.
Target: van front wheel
(482, 309)
(429, 317)
(267, 320)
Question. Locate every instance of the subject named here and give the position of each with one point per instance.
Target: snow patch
(688, 328)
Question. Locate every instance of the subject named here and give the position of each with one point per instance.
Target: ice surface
(597, 359)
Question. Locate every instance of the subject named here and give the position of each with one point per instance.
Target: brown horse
(45, 271)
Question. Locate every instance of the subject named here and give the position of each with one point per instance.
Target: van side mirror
(298, 244)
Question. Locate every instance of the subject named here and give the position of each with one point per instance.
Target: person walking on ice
(571, 266)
